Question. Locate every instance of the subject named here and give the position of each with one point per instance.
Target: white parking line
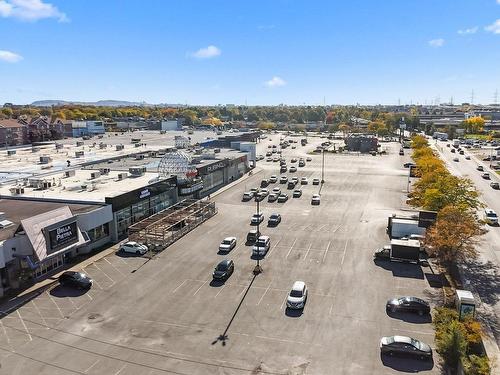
(120, 272)
(121, 369)
(55, 303)
(307, 252)
(289, 251)
(92, 365)
(197, 290)
(326, 251)
(175, 290)
(262, 297)
(24, 325)
(283, 303)
(39, 312)
(220, 290)
(343, 255)
(99, 286)
(104, 273)
(5, 331)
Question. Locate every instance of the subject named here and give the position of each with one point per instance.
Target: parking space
(178, 320)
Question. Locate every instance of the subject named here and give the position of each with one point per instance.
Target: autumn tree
(7, 112)
(454, 235)
(474, 124)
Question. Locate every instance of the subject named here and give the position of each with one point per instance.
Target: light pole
(258, 268)
(323, 166)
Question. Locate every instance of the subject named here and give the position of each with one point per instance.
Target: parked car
(405, 346)
(75, 279)
(408, 165)
(247, 196)
(134, 248)
(490, 216)
(257, 218)
(297, 193)
(252, 236)
(315, 181)
(456, 160)
(223, 270)
(495, 185)
(227, 244)
(264, 183)
(277, 190)
(401, 152)
(298, 296)
(293, 169)
(273, 179)
(408, 304)
(261, 246)
(272, 197)
(452, 150)
(274, 220)
(304, 181)
(316, 199)
(486, 175)
(282, 198)
(294, 160)
(283, 179)
(309, 159)
(259, 197)
(467, 157)
(480, 168)
(264, 192)
(283, 169)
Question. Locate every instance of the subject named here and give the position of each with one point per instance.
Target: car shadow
(123, 254)
(217, 283)
(61, 291)
(410, 318)
(407, 364)
(223, 252)
(294, 313)
(257, 257)
(400, 269)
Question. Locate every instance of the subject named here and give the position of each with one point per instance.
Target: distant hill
(100, 103)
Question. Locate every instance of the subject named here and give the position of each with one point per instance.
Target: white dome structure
(178, 164)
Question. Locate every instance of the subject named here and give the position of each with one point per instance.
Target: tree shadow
(410, 318)
(61, 291)
(486, 280)
(407, 364)
(400, 269)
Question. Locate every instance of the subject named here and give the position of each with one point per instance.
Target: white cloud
(494, 27)
(10, 57)
(207, 52)
(30, 10)
(275, 82)
(436, 43)
(471, 30)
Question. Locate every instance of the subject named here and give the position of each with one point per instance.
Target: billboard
(61, 235)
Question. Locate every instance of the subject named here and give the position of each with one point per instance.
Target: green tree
(452, 345)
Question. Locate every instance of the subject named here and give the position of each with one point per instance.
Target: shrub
(476, 365)
(451, 343)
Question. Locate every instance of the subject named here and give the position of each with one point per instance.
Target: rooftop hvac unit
(17, 190)
(45, 185)
(11, 152)
(122, 176)
(139, 157)
(137, 171)
(45, 159)
(91, 187)
(102, 146)
(79, 154)
(95, 175)
(79, 143)
(153, 154)
(119, 147)
(104, 171)
(59, 146)
(69, 173)
(137, 145)
(35, 149)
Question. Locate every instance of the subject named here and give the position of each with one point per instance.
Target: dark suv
(75, 279)
(252, 236)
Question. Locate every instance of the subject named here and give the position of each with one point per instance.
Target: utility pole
(323, 166)
(258, 268)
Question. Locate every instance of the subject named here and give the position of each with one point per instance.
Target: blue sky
(259, 52)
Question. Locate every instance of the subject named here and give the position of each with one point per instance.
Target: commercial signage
(214, 167)
(144, 193)
(207, 169)
(63, 235)
(191, 188)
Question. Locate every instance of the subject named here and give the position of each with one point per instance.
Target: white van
(262, 246)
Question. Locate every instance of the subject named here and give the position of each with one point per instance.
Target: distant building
(171, 125)
(361, 143)
(12, 133)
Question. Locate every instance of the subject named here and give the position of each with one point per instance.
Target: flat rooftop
(16, 210)
(81, 186)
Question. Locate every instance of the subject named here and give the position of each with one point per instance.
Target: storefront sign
(63, 235)
(144, 193)
(207, 169)
(214, 167)
(190, 189)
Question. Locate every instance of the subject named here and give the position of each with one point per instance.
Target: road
(483, 274)
(167, 316)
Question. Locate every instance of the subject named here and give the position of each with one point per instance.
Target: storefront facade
(135, 205)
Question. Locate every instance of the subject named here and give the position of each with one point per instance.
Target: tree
(454, 235)
(7, 112)
(265, 125)
(418, 142)
(452, 345)
(344, 128)
(474, 124)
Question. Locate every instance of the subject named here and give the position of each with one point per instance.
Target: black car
(274, 220)
(297, 193)
(252, 236)
(75, 279)
(408, 165)
(291, 185)
(264, 183)
(223, 270)
(405, 346)
(408, 304)
(283, 169)
(480, 168)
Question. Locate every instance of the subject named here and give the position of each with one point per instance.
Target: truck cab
(383, 253)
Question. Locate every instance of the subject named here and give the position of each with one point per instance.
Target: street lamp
(258, 268)
(323, 166)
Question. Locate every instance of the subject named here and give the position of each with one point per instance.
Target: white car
(298, 296)
(264, 192)
(257, 219)
(304, 181)
(276, 190)
(262, 246)
(490, 216)
(227, 244)
(134, 248)
(273, 179)
(316, 199)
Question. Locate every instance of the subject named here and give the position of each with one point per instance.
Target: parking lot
(166, 315)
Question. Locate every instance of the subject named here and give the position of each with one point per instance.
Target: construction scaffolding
(165, 227)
